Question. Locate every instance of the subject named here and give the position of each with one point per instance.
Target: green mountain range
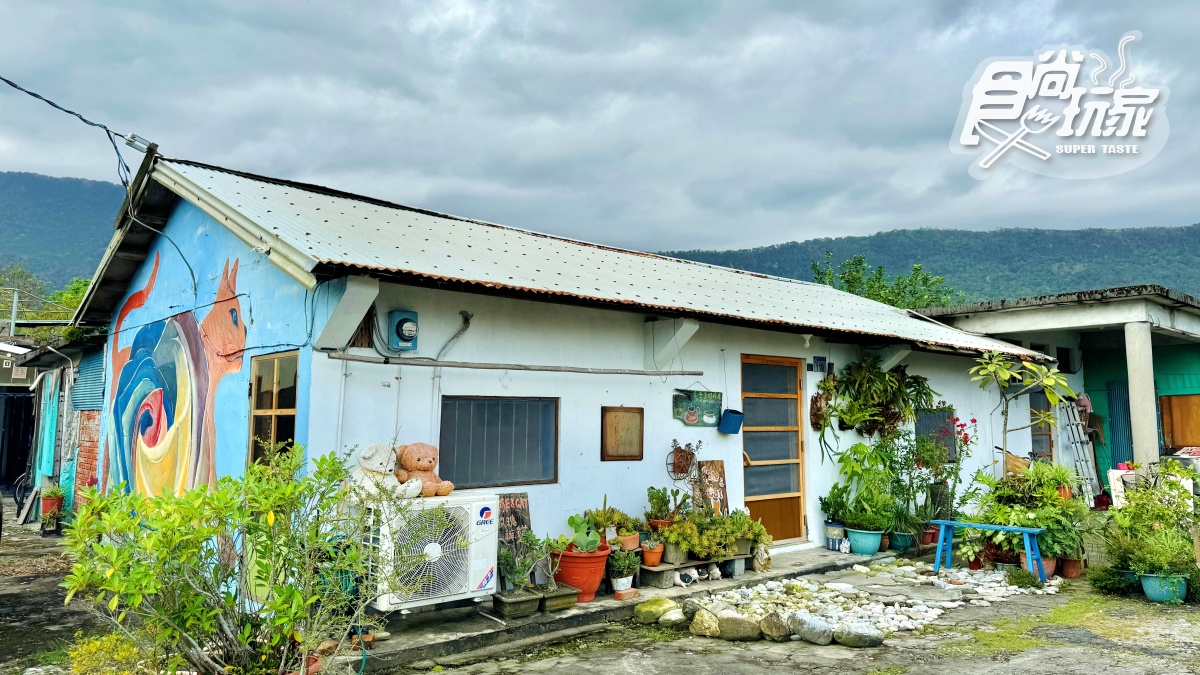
(997, 264)
(59, 227)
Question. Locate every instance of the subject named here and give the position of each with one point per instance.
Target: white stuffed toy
(714, 572)
(375, 473)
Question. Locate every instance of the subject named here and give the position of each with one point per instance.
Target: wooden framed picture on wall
(621, 434)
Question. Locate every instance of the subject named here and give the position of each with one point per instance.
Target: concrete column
(1143, 409)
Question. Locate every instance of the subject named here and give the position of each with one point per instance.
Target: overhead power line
(132, 140)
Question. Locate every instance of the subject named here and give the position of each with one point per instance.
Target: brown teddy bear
(418, 461)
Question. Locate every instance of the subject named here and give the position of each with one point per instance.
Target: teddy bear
(376, 472)
(418, 461)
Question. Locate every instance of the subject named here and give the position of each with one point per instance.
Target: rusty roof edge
(766, 323)
(1147, 291)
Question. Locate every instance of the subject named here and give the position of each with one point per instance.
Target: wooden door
(1180, 420)
(772, 439)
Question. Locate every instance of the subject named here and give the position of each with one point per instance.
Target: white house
(243, 306)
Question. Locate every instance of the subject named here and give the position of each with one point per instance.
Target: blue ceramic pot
(864, 542)
(1164, 588)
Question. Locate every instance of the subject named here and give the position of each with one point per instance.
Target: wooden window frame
(798, 429)
(557, 440)
(273, 413)
(605, 456)
(1047, 431)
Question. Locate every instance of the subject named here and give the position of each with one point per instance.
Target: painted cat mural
(162, 425)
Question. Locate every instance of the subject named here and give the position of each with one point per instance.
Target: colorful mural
(162, 430)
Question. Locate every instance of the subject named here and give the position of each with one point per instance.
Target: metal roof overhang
(51, 356)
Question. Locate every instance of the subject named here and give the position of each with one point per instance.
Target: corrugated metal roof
(340, 229)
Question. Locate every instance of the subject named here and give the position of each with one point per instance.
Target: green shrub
(1166, 553)
(248, 574)
(1022, 578)
(1111, 580)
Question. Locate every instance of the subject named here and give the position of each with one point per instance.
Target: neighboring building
(1135, 351)
(16, 413)
(277, 310)
(67, 399)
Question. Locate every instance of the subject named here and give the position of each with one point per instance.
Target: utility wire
(122, 168)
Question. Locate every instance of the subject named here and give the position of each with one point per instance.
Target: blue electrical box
(402, 336)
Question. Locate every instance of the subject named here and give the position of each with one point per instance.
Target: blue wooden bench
(945, 545)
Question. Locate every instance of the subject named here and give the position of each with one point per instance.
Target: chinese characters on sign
(1066, 112)
(696, 408)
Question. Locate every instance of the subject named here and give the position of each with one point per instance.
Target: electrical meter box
(403, 334)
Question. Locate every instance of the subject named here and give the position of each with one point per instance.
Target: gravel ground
(1075, 631)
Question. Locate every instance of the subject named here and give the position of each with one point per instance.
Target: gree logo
(485, 516)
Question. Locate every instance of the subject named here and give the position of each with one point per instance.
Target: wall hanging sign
(514, 516)
(696, 408)
(712, 484)
(621, 434)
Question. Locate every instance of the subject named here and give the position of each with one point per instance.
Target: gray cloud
(652, 125)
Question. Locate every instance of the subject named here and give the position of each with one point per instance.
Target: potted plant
(623, 565)
(556, 596)
(904, 528)
(581, 564)
(834, 505)
(652, 552)
(741, 528)
(970, 548)
(628, 538)
(607, 519)
(681, 537)
(684, 456)
(865, 529)
(1062, 477)
(516, 562)
(52, 500)
(659, 514)
(1164, 561)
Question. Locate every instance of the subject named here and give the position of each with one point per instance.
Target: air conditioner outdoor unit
(444, 549)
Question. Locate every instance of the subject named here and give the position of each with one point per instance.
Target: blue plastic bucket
(864, 542)
(1164, 589)
(731, 421)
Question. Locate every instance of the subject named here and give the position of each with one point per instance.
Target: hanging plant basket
(679, 463)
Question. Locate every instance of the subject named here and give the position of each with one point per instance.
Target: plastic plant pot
(584, 571)
(902, 541)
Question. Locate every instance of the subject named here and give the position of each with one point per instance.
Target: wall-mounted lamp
(807, 337)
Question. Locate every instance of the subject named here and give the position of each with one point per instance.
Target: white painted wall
(381, 402)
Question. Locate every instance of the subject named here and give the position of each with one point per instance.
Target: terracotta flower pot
(975, 563)
(1070, 568)
(885, 542)
(929, 536)
(1049, 564)
(629, 542)
(1065, 492)
(657, 525)
(51, 505)
(652, 557)
(584, 571)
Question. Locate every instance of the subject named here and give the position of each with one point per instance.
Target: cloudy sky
(654, 125)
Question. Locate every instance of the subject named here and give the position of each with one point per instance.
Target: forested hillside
(1000, 263)
(57, 227)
